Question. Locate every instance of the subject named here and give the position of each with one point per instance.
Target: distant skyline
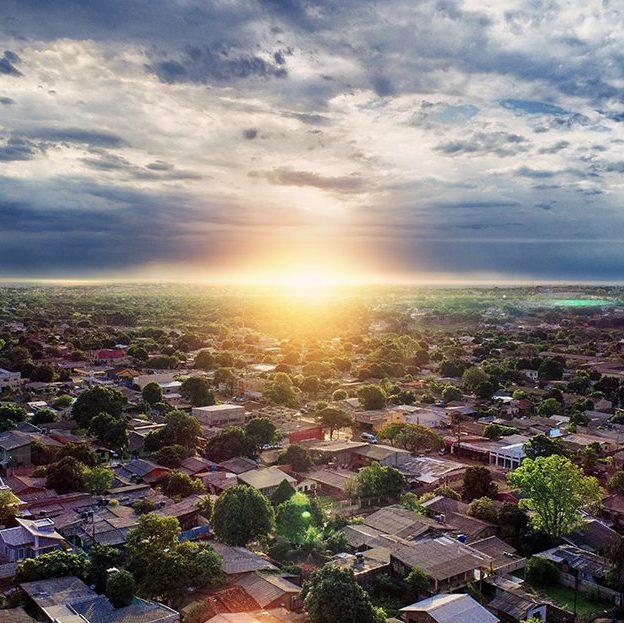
(300, 141)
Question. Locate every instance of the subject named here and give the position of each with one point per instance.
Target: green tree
(120, 588)
(9, 507)
(205, 506)
(294, 518)
(615, 484)
(542, 445)
(377, 481)
(339, 394)
(62, 401)
(10, 415)
(65, 476)
(549, 407)
(484, 509)
(242, 514)
(555, 491)
(371, 397)
(283, 493)
(281, 391)
(110, 430)
(152, 393)
(229, 443)
(541, 572)
(451, 394)
(418, 581)
(44, 416)
(261, 431)
(79, 451)
(98, 399)
(334, 419)
(56, 564)
(512, 520)
(473, 377)
(478, 483)
(297, 457)
(102, 558)
(551, 370)
(197, 390)
(332, 595)
(414, 437)
(171, 456)
(178, 485)
(204, 360)
(98, 479)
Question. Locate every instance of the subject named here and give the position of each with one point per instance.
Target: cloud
(343, 185)
(502, 144)
(250, 133)
(97, 138)
(17, 148)
(8, 62)
(7, 101)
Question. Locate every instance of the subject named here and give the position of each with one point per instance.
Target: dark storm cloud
(536, 174)
(109, 162)
(18, 148)
(8, 62)
(554, 148)
(7, 101)
(308, 118)
(250, 133)
(205, 65)
(498, 143)
(344, 185)
(78, 135)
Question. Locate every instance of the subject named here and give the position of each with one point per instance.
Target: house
(271, 591)
(507, 455)
(582, 569)
(386, 456)
(505, 558)
(266, 479)
(428, 472)
(331, 481)
(452, 516)
(9, 380)
(144, 379)
(612, 509)
(238, 465)
(29, 539)
(594, 536)
(239, 560)
(339, 451)
(220, 416)
(512, 604)
(299, 430)
(448, 563)
(445, 608)
(398, 521)
(142, 470)
(15, 449)
(68, 600)
(107, 354)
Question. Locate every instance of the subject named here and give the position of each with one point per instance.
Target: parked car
(369, 437)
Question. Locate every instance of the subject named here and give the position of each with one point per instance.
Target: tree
(180, 568)
(413, 437)
(98, 399)
(204, 360)
(483, 509)
(101, 559)
(473, 377)
(197, 391)
(261, 431)
(44, 416)
(225, 376)
(377, 481)
(242, 514)
(180, 429)
(542, 445)
(205, 506)
(9, 506)
(146, 542)
(334, 419)
(615, 484)
(332, 595)
(178, 485)
(110, 430)
(120, 588)
(79, 451)
(451, 394)
(62, 401)
(65, 476)
(371, 397)
(549, 407)
(556, 491)
(98, 479)
(418, 581)
(339, 394)
(297, 457)
(229, 443)
(294, 519)
(478, 483)
(281, 391)
(56, 564)
(283, 493)
(550, 370)
(10, 415)
(152, 393)
(512, 520)
(171, 456)
(541, 572)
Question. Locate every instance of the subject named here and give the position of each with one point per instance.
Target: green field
(564, 597)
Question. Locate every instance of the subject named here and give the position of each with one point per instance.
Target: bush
(120, 588)
(541, 572)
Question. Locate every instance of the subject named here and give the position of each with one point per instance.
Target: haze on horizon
(336, 140)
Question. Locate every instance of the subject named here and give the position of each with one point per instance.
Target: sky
(397, 140)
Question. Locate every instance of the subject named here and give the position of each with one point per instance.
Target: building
(266, 479)
(448, 563)
(508, 456)
(9, 380)
(448, 609)
(388, 456)
(30, 539)
(220, 416)
(15, 448)
(70, 600)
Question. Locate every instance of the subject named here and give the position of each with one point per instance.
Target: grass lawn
(564, 597)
